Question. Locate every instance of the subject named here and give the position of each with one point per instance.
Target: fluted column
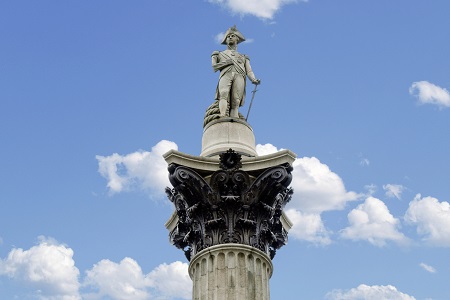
(230, 272)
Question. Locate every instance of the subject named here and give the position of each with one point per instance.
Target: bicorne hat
(236, 32)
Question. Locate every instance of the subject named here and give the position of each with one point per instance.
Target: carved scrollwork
(269, 184)
(233, 208)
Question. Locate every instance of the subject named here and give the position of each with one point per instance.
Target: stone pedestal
(225, 133)
(230, 271)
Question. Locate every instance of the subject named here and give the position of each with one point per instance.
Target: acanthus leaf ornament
(231, 207)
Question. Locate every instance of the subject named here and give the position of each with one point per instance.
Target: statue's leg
(237, 89)
(223, 107)
(224, 94)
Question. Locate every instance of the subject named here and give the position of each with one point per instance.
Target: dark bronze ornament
(233, 207)
(230, 160)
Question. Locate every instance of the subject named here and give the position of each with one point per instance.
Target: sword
(251, 102)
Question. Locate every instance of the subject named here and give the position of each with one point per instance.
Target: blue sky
(92, 93)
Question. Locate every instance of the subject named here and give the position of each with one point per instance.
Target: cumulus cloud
(49, 271)
(394, 190)
(308, 227)
(125, 280)
(427, 268)
(263, 9)
(372, 221)
(316, 189)
(427, 92)
(374, 292)
(140, 170)
(47, 268)
(171, 280)
(432, 219)
(266, 149)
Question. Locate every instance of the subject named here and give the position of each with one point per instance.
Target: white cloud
(373, 222)
(171, 280)
(266, 149)
(125, 280)
(49, 271)
(138, 170)
(374, 292)
(308, 227)
(316, 189)
(427, 268)
(427, 92)
(432, 219)
(264, 9)
(48, 268)
(394, 190)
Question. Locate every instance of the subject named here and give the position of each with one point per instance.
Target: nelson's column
(229, 202)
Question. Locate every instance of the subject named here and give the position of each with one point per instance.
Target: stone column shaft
(230, 272)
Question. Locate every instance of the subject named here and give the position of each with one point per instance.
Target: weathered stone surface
(207, 165)
(230, 271)
(225, 133)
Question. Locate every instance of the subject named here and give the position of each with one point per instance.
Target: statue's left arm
(249, 72)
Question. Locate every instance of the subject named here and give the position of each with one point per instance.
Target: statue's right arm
(217, 64)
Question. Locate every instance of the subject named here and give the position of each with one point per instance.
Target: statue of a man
(233, 67)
